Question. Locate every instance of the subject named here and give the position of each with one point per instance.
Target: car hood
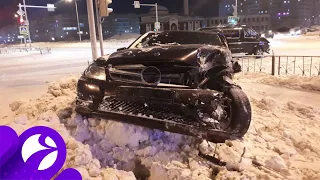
(164, 53)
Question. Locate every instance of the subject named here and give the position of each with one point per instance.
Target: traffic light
(21, 21)
(103, 8)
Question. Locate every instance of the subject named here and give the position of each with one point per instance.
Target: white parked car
(298, 31)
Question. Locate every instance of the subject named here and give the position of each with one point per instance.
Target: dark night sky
(198, 7)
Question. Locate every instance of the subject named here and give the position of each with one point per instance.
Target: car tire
(241, 111)
(258, 52)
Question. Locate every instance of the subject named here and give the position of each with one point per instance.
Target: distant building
(291, 13)
(225, 7)
(316, 13)
(283, 13)
(9, 34)
(59, 27)
(121, 23)
(169, 21)
(64, 27)
(258, 22)
(245, 7)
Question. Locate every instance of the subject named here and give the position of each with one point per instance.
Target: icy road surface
(25, 75)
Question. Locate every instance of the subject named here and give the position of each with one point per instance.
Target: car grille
(138, 74)
(152, 111)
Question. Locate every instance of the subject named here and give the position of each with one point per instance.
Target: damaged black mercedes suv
(176, 81)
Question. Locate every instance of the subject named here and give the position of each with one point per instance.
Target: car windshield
(176, 38)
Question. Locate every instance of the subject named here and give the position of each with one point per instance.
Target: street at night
(152, 90)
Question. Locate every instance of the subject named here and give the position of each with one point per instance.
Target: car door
(233, 39)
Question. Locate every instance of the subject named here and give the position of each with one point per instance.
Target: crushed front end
(166, 95)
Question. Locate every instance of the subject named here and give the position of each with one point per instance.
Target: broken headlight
(95, 72)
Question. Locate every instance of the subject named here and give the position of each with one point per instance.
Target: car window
(231, 33)
(185, 38)
(250, 33)
(145, 39)
(141, 39)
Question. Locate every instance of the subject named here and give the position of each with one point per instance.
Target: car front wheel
(258, 52)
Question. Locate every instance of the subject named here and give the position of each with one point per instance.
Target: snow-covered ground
(282, 142)
(307, 45)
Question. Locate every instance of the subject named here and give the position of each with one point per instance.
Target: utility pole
(157, 17)
(236, 10)
(27, 22)
(99, 24)
(92, 29)
(21, 14)
(75, 3)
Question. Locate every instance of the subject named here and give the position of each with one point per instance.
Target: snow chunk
(193, 164)
(112, 174)
(49, 116)
(22, 119)
(84, 173)
(284, 149)
(124, 134)
(276, 163)
(15, 105)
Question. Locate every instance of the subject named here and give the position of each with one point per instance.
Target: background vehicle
(242, 39)
(267, 34)
(298, 31)
(177, 81)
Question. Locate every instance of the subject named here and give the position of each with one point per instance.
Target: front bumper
(158, 108)
(266, 47)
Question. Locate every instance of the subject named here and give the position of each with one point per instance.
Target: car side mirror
(120, 49)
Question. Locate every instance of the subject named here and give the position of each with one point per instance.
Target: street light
(137, 5)
(75, 3)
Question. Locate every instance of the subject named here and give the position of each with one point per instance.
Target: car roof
(227, 27)
(190, 32)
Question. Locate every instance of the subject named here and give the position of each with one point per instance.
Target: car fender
(264, 39)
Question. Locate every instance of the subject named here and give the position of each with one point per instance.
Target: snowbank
(125, 36)
(282, 142)
(292, 82)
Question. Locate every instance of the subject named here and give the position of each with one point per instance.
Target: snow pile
(60, 96)
(283, 142)
(49, 110)
(125, 36)
(292, 82)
